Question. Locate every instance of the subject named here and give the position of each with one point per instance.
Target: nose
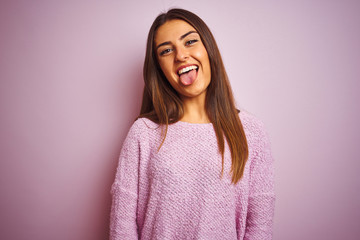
(181, 54)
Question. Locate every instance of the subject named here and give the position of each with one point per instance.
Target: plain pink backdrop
(71, 84)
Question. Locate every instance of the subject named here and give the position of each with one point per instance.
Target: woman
(192, 166)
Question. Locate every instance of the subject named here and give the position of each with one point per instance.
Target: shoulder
(250, 122)
(259, 146)
(143, 124)
(254, 128)
(142, 130)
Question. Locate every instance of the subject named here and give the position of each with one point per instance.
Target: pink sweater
(177, 193)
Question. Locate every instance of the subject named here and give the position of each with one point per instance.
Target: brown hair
(162, 104)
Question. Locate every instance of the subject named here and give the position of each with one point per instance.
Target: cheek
(202, 55)
(166, 68)
(205, 62)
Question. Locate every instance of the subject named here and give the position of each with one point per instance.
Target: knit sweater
(177, 192)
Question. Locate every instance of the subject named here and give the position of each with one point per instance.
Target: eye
(165, 51)
(191, 42)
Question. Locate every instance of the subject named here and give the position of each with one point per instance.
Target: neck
(194, 110)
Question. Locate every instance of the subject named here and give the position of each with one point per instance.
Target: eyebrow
(181, 38)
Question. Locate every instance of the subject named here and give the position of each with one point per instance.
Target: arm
(125, 190)
(259, 222)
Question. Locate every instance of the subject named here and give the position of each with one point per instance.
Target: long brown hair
(162, 104)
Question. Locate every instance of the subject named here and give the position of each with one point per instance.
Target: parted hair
(162, 104)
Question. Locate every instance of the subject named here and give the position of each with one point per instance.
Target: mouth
(186, 69)
(187, 74)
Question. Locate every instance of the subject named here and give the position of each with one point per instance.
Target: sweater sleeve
(259, 221)
(125, 190)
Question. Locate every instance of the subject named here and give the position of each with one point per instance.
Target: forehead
(172, 30)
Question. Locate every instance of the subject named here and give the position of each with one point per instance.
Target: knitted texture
(178, 192)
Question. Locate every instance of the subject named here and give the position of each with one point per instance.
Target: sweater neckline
(193, 124)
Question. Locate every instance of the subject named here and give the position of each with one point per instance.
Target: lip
(184, 66)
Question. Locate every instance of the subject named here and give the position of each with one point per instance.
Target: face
(183, 58)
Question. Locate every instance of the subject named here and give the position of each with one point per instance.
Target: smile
(186, 69)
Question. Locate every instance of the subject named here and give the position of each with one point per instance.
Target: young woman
(192, 166)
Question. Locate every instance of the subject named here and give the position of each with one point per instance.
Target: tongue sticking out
(188, 78)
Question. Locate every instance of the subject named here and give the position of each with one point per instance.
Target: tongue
(188, 78)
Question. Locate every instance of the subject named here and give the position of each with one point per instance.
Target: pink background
(71, 83)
